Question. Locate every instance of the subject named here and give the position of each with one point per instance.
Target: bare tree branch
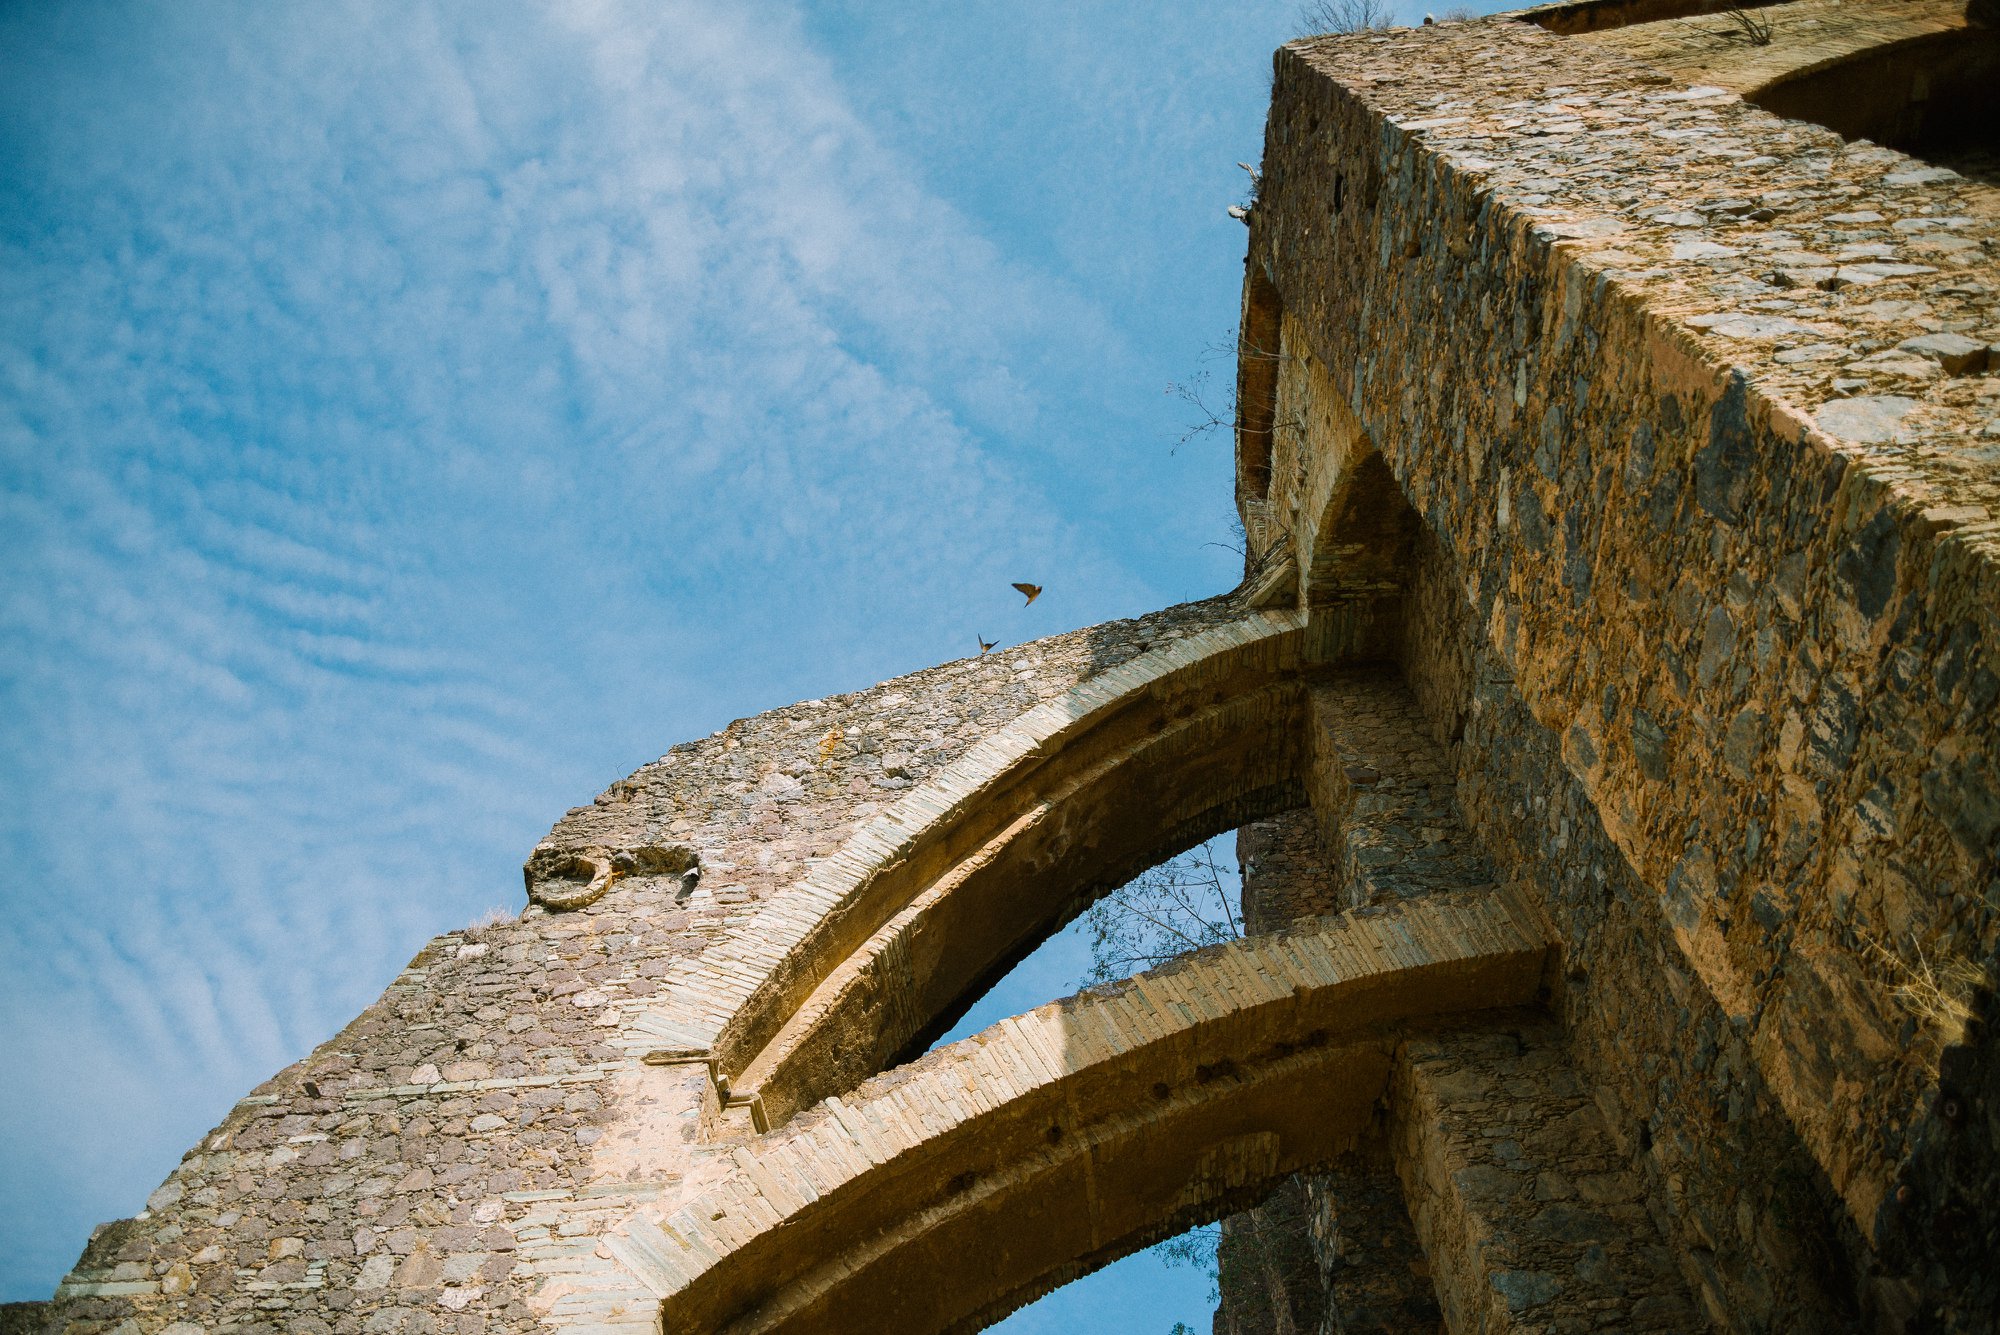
(1319, 16)
(1183, 904)
(1210, 413)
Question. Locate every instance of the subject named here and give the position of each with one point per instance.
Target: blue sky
(414, 416)
(1144, 1291)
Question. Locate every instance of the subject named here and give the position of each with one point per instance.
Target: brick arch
(913, 917)
(949, 1192)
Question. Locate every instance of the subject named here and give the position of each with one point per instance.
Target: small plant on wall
(1752, 26)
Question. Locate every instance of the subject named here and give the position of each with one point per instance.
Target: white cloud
(411, 417)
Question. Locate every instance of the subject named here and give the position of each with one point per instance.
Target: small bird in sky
(1241, 214)
(1033, 591)
(985, 645)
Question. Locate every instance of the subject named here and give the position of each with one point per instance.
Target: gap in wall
(1064, 964)
(1141, 1294)
(1152, 1290)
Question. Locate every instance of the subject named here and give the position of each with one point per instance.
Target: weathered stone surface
(1537, 1220)
(1639, 661)
(1285, 873)
(1872, 419)
(1956, 353)
(1743, 637)
(23, 1318)
(1384, 801)
(1372, 1268)
(1266, 1275)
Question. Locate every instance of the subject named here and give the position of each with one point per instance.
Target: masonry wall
(1756, 1229)
(1627, 573)
(448, 1162)
(1332, 1250)
(1705, 614)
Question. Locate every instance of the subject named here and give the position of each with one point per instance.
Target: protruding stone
(1871, 419)
(1958, 354)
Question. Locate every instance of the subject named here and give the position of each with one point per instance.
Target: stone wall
(447, 1161)
(1624, 601)
(1533, 1218)
(1331, 1251)
(1704, 612)
(1267, 1276)
(1757, 1228)
(23, 1318)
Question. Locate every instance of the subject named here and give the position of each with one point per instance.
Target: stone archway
(1344, 527)
(1083, 1130)
(953, 1190)
(1712, 669)
(920, 910)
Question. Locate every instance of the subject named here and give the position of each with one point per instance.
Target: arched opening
(1156, 776)
(1256, 1267)
(1257, 359)
(1185, 902)
(1140, 1292)
(949, 1192)
(1353, 526)
(922, 907)
(1935, 97)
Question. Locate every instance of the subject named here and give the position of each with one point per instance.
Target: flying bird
(985, 645)
(1033, 591)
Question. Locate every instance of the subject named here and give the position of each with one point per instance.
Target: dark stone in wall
(1865, 570)
(1372, 1269)
(1285, 872)
(1723, 470)
(23, 1318)
(1266, 1275)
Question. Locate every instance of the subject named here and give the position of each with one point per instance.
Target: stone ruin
(1608, 712)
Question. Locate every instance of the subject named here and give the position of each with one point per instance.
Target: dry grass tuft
(486, 924)
(1754, 28)
(1936, 993)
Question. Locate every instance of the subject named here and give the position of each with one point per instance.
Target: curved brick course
(954, 1188)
